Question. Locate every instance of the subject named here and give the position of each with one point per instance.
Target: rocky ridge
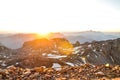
(97, 52)
(44, 52)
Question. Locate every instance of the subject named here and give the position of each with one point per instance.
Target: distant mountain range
(15, 41)
(89, 36)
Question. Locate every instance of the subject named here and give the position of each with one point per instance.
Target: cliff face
(97, 52)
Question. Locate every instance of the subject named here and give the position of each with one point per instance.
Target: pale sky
(59, 15)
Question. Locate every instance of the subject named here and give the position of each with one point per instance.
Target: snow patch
(76, 51)
(76, 48)
(56, 66)
(101, 50)
(88, 55)
(1, 61)
(84, 60)
(55, 56)
(82, 52)
(89, 45)
(16, 63)
(71, 64)
(54, 51)
(94, 50)
(3, 64)
(96, 56)
(4, 56)
(112, 58)
(43, 54)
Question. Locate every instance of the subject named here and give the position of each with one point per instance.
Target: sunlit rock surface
(47, 53)
(40, 52)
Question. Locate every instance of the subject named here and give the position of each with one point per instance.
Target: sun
(41, 31)
(42, 34)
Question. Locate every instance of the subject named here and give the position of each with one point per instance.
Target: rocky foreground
(83, 72)
(26, 63)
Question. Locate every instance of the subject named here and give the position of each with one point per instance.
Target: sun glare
(43, 33)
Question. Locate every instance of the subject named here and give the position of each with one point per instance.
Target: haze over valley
(16, 40)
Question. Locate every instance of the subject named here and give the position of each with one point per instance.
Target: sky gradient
(59, 15)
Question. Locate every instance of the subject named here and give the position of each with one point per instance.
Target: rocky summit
(97, 52)
(62, 60)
